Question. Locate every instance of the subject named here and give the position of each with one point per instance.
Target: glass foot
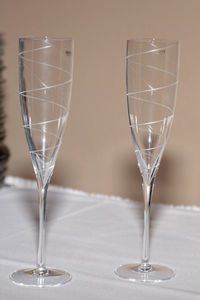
(133, 272)
(30, 277)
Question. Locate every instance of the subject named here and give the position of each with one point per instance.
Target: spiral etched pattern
(151, 94)
(45, 90)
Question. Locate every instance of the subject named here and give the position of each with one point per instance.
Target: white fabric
(89, 236)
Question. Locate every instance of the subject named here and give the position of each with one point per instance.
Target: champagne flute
(45, 80)
(151, 77)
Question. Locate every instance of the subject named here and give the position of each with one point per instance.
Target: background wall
(97, 153)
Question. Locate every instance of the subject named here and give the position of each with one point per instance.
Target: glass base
(30, 277)
(133, 272)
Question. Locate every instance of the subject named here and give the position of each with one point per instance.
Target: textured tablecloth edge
(31, 184)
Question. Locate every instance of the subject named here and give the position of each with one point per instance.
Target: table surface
(89, 236)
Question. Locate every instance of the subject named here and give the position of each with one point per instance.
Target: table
(89, 236)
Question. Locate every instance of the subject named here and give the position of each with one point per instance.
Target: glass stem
(147, 190)
(41, 259)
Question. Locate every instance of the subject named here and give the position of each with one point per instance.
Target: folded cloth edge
(31, 184)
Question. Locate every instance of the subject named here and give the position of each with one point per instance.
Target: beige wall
(97, 152)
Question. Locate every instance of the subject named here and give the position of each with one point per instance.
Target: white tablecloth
(89, 236)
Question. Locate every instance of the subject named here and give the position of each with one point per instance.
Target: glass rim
(162, 40)
(38, 38)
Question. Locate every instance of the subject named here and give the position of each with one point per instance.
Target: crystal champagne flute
(45, 80)
(151, 77)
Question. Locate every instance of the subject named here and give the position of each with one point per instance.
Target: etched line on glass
(41, 150)
(153, 68)
(147, 123)
(150, 51)
(153, 89)
(147, 149)
(151, 102)
(42, 131)
(46, 100)
(45, 122)
(46, 87)
(38, 62)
